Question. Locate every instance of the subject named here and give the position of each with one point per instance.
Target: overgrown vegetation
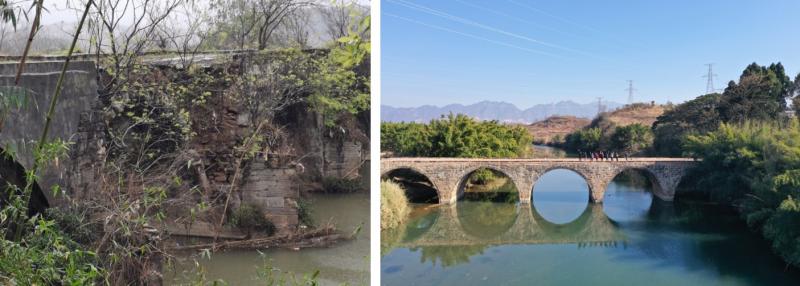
(305, 213)
(341, 185)
(755, 167)
(147, 175)
(455, 136)
(394, 205)
(251, 219)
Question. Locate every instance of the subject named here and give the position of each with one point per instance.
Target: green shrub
(482, 176)
(341, 185)
(251, 219)
(304, 212)
(394, 205)
(75, 224)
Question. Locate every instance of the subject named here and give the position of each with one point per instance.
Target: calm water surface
(344, 263)
(561, 239)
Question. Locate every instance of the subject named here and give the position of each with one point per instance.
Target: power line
(710, 76)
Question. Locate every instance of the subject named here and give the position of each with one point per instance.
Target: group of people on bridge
(600, 156)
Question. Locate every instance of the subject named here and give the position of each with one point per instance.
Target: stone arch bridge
(448, 175)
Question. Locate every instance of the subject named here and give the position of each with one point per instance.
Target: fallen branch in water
(319, 237)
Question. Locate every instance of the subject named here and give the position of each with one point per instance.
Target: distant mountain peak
(493, 110)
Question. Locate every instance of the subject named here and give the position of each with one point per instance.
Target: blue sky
(531, 52)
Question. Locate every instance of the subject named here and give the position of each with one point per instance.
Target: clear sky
(528, 52)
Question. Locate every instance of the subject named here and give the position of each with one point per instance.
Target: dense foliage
(455, 136)
(756, 167)
(759, 95)
(696, 116)
(631, 139)
(584, 139)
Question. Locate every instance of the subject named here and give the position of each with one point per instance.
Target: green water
(561, 239)
(345, 262)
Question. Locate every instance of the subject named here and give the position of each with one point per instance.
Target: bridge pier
(597, 189)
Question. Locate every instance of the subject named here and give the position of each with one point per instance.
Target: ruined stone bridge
(448, 175)
(22, 127)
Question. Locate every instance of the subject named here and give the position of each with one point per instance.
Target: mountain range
(493, 110)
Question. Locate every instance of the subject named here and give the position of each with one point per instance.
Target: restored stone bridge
(448, 175)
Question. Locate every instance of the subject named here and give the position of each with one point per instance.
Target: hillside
(543, 131)
(641, 113)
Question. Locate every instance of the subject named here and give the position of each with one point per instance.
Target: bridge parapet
(448, 174)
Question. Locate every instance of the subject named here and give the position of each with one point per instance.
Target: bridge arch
(446, 174)
(579, 171)
(418, 185)
(464, 177)
(13, 173)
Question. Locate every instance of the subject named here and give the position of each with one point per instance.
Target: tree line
(455, 136)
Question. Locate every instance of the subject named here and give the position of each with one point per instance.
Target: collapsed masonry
(271, 182)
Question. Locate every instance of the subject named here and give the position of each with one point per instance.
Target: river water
(344, 263)
(561, 239)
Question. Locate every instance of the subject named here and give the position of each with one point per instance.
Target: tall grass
(394, 205)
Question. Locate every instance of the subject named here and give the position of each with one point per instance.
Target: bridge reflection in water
(465, 224)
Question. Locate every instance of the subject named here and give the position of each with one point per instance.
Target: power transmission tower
(710, 76)
(630, 90)
(600, 107)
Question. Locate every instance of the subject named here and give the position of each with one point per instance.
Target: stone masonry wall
(78, 94)
(273, 190)
(343, 159)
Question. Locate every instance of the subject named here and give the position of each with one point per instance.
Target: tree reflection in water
(486, 211)
(449, 255)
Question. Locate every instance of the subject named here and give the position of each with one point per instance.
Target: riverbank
(344, 262)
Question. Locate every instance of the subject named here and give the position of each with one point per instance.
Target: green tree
(692, 117)
(584, 139)
(756, 167)
(455, 136)
(633, 139)
(760, 94)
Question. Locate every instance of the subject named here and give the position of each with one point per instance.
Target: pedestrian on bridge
(580, 155)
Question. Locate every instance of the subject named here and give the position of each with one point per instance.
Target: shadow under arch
(418, 187)
(487, 183)
(12, 174)
(630, 194)
(689, 188)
